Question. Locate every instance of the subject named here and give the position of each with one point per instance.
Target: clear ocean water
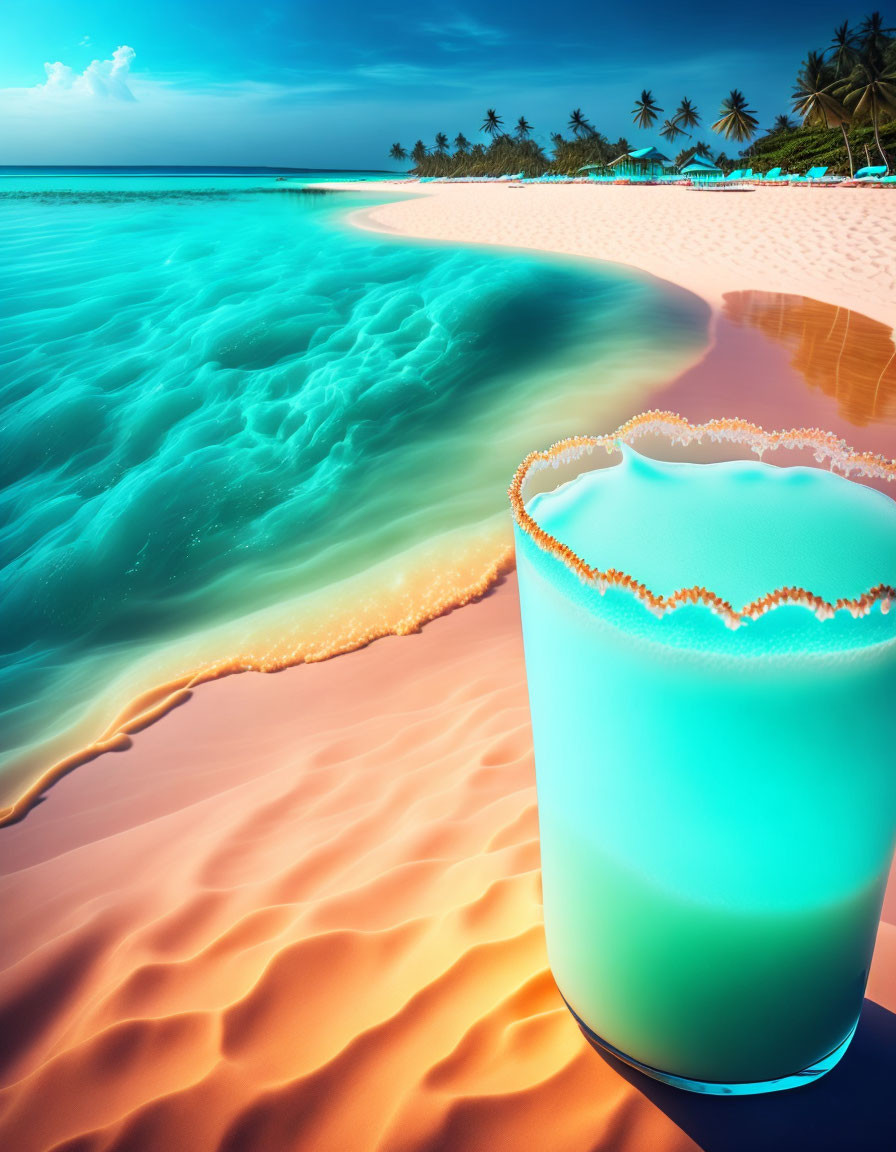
(220, 399)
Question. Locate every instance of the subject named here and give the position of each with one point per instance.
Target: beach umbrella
(700, 164)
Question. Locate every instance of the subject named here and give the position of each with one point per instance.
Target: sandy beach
(303, 910)
(832, 244)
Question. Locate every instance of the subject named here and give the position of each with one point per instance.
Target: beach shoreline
(607, 224)
(566, 221)
(829, 244)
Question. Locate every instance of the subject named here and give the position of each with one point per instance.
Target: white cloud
(84, 41)
(183, 118)
(399, 73)
(460, 31)
(106, 79)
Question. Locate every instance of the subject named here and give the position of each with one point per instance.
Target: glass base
(717, 1088)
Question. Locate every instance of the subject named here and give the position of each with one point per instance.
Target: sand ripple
(327, 936)
(303, 912)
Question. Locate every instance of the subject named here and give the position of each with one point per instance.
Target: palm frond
(646, 110)
(736, 121)
(492, 123)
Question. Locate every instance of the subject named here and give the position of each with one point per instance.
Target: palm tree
(492, 123)
(441, 143)
(398, 153)
(875, 38)
(462, 144)
(578, 122)
(815, 100)
(523, 128)
(690, 151)
(686, 116)
(621, 147)
(556, 139)
(869, 92)
(782, 123)
(645, 111)
(670, 131)
(418, 152)
(736, 121)
(844, 49)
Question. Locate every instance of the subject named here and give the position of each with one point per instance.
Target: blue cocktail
(711, 664)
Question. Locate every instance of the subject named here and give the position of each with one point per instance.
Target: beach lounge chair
(816, 175)
(772, 174)
(737, 174)
(871, 174)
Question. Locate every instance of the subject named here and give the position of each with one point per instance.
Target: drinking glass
(716, 803)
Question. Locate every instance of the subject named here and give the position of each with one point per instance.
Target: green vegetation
(803, 148)
(815, 101)
(844, 97)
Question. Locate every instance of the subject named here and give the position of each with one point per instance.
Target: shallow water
(218, 399)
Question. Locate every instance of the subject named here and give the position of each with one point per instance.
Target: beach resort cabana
(642, 164)
(701, 168)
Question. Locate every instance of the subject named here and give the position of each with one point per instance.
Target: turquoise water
(717, 807)
(218, 396)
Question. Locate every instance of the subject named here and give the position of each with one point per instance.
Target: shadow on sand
(852, 1107)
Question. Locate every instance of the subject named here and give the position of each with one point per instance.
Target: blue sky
(301, 83)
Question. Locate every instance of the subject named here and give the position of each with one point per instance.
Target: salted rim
(826, 446)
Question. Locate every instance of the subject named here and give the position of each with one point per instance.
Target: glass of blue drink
(711, 664)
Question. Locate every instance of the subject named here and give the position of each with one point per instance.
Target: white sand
(834, 244)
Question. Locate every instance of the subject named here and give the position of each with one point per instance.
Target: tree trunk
(848, 149)
(880, 146)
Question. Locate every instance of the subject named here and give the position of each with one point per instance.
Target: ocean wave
(217, 405)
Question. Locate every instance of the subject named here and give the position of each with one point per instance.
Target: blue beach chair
(865, 177)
